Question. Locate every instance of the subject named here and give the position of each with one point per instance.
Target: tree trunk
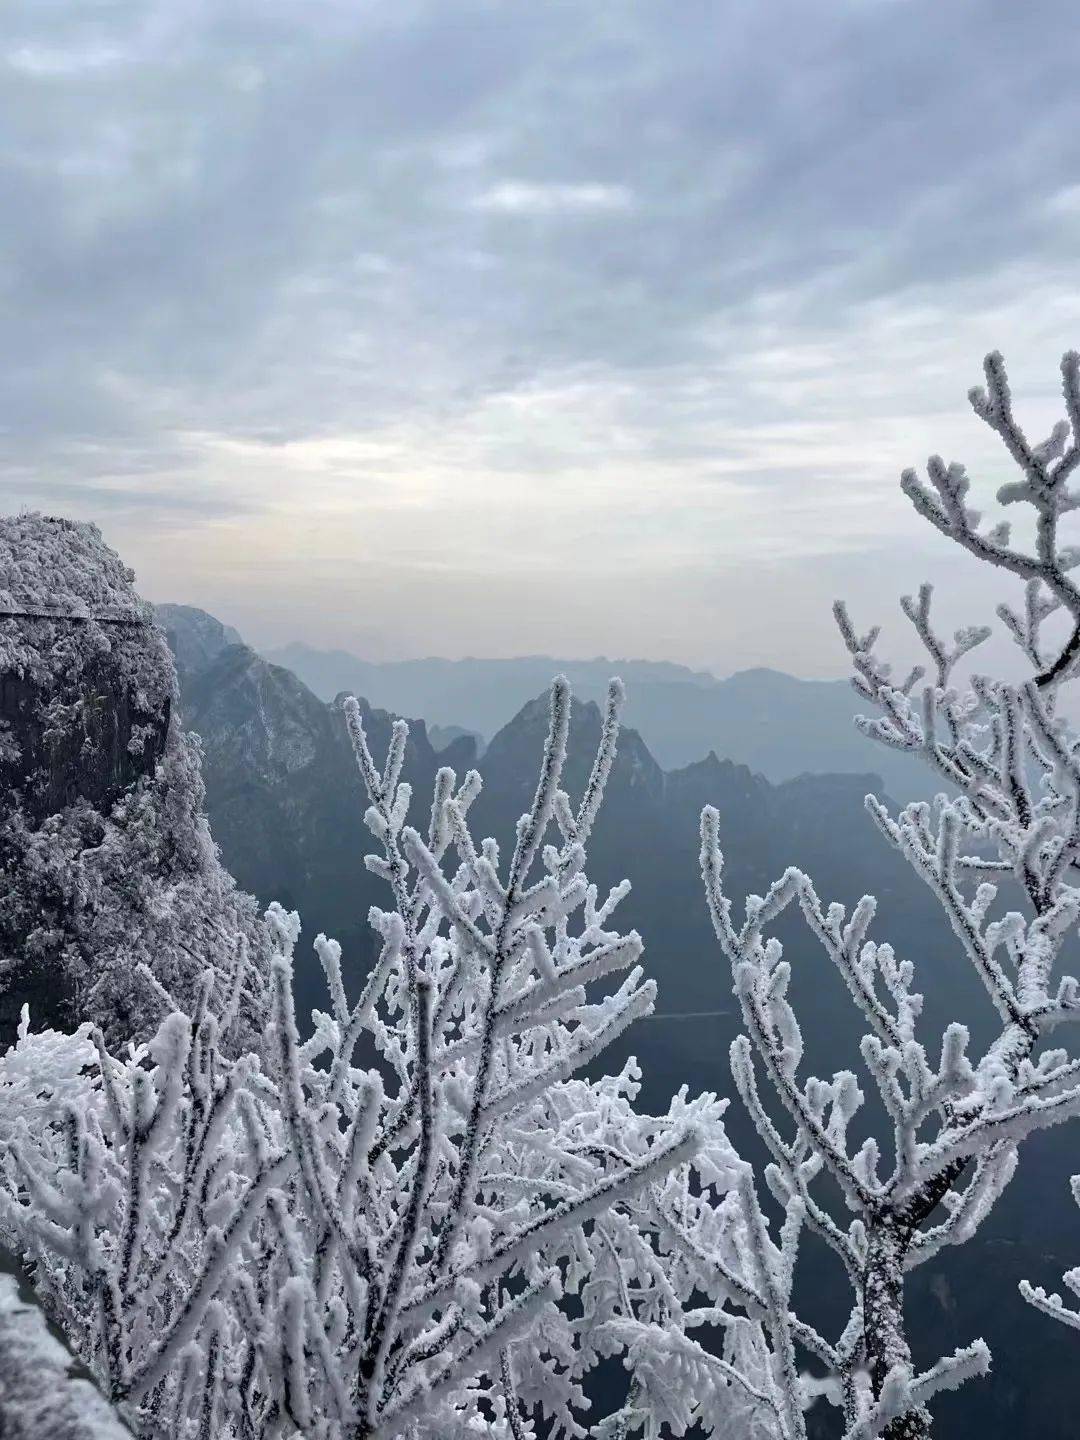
(883, 1320)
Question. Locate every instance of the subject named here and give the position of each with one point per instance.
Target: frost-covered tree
(420, 1215)
(1009, 811)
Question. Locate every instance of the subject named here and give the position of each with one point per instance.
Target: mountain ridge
(778, 724)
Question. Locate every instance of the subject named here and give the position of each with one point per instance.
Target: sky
(491, 327)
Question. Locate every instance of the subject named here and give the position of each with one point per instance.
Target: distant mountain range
(286, 808)
(777, 725)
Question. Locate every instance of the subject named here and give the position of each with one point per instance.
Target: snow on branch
(1052, 1304)
(420, 1215)
(1009, 765)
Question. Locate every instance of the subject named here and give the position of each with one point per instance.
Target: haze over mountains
(776, 724)
(286, 807)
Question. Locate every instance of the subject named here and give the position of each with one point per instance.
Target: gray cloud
(474, 295)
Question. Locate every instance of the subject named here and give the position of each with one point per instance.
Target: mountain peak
(769, 676)
(195, 637)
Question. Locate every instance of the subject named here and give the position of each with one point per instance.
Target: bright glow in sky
(473, 327)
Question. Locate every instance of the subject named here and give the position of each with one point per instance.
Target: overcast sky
(492, 328)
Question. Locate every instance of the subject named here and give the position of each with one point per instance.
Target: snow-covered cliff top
(67, 605)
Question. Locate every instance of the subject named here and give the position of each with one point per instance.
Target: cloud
(619, 305)
(519, 197)
(42, 61)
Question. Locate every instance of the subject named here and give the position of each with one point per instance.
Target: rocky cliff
(106, 860)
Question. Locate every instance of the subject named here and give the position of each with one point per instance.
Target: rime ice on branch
(370, 1230)
(1012, 765)
(1052, 1304)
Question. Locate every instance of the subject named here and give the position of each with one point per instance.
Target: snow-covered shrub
(1011, 763)
(419, 1215)
(41, 1075)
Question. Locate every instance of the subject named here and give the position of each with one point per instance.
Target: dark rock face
(107, 748)
(47, 990)
(86, 679)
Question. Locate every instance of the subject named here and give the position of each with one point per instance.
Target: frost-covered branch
(372, 1227)
(1052, 1304)
(1009, 765)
